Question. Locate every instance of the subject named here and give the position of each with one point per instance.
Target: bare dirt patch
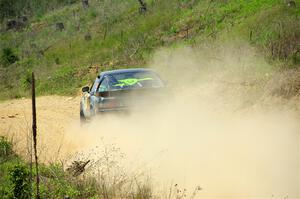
(54, 113)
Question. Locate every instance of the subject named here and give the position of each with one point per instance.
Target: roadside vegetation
(18, 179)
(67, 42)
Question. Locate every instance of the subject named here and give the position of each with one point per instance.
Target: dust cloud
(217, 130)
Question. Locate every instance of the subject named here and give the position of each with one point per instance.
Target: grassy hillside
(114, 34)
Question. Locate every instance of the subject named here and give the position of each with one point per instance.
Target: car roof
(124, 71)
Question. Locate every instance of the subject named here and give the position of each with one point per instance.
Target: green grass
(121, 37)
(55, 182)
(18, 180)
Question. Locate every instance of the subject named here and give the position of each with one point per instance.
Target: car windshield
(133, 80)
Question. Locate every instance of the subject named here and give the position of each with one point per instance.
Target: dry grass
(285, 84)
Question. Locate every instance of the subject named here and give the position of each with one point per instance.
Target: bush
(8, 57)
(5, 149)
(20, 179)
(26, 81)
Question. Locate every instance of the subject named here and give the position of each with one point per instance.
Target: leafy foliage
(8, 57)
(19, 177)
(5, 149)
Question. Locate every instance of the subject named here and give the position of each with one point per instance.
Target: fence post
(35, 138)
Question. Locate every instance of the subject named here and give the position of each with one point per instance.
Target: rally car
(121, 90)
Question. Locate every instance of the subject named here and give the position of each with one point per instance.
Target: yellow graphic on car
(131, 81)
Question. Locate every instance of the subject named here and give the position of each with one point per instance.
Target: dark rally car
(121, 90)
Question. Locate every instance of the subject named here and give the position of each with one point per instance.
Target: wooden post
(34, 138)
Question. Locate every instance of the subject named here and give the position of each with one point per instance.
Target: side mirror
(85, 89)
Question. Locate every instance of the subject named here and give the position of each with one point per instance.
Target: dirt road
(229, 153)
(54, 114)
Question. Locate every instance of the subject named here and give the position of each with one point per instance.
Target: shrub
(20, 179)
(8, 57)
(5, 149)
(26, 80)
